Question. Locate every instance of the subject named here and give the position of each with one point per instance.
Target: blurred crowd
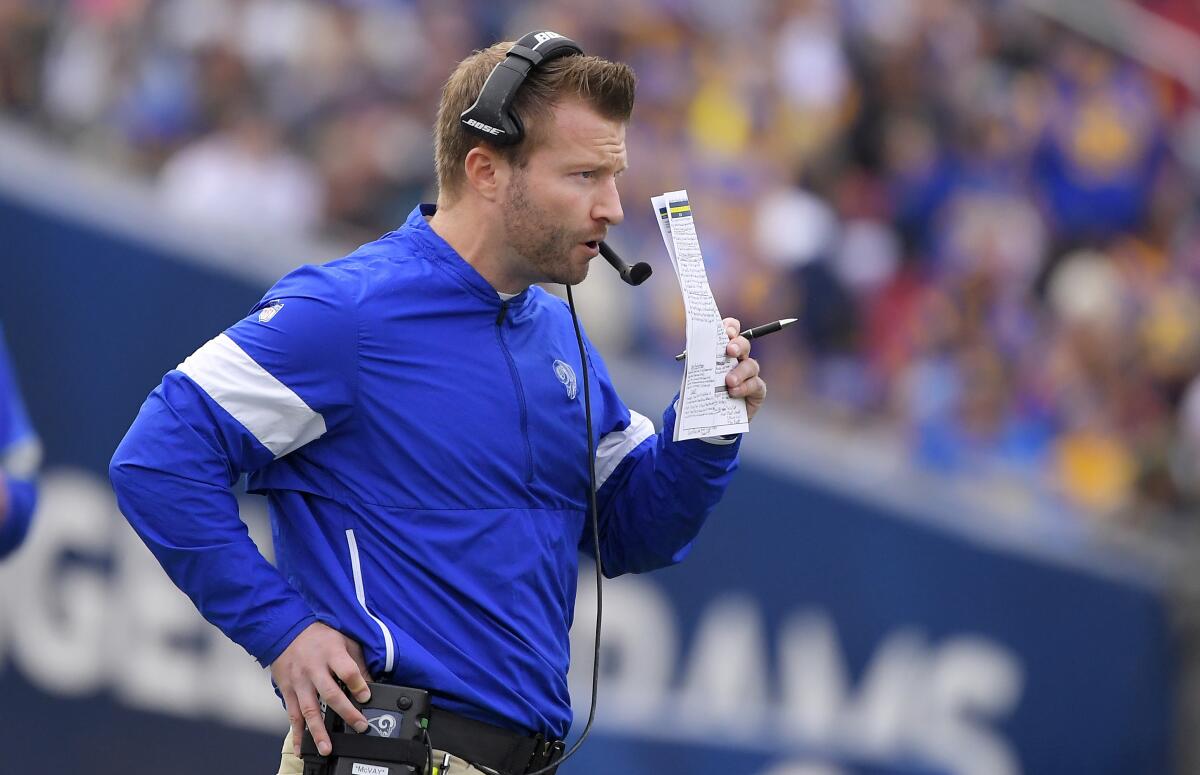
(987, 224)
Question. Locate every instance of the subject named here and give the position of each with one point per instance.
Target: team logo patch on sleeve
(566, 375)
(269, 311)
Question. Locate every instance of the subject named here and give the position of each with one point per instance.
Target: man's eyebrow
(593, 164)
(610, 161)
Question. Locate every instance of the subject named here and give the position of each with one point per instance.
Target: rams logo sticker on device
(381, 724)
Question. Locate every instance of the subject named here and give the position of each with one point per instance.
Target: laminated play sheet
(705, 407)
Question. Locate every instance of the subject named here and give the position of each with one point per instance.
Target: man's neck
(480, 246)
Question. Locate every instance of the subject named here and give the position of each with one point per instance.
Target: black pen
(750, 333)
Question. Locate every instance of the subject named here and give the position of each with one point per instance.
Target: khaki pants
(290, 764)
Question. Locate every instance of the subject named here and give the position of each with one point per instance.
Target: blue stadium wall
(811, 632)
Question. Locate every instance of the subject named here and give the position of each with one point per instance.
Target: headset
(493, 119)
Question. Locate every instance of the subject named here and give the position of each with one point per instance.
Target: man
(20, 453)
(413, 414)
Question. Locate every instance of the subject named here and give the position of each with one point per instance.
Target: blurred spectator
(1103, 147)
(243, 176)
(24, 28)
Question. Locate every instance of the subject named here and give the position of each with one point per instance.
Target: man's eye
(587, 174)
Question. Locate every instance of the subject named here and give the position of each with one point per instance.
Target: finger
(310, 709)
(740, 374)
(354, 648)
(337, 700)
(353, 675)
(738, 347)
(295, 719)
(754, 389)
(733, 326)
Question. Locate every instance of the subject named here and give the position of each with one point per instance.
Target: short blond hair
(607, 87)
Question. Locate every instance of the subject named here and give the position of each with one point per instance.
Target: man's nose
(608, 204)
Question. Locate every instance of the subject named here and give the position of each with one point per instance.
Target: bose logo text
(491, 130)
(542, 37)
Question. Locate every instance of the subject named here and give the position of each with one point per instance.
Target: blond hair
(607, 87)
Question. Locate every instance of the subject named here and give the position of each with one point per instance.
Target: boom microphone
(634, 275)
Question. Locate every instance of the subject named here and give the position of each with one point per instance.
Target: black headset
(492, 116)
(493, 119)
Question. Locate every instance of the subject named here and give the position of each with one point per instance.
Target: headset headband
(492, 117)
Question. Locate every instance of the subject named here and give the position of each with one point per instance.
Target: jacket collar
(446, 256)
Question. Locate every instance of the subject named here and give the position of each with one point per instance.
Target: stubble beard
(544, 245)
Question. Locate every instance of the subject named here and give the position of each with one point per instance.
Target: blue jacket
(422, 447)
(20, 454)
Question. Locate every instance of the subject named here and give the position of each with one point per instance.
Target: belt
(496, 748)
(493, 747)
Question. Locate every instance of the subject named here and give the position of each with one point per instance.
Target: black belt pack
(404, 727)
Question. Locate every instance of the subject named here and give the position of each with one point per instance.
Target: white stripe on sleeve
(616, 445)
(266, 407)
(21, 460)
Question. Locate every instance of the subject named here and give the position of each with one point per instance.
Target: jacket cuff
(267, 656)
(710, 446)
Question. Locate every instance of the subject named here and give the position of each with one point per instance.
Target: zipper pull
(503, 310)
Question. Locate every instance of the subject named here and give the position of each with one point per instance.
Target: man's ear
(486, 172)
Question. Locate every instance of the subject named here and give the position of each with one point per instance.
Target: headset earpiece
(492, 117)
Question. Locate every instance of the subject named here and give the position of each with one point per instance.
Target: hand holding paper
(743, 380)
(706, 407)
